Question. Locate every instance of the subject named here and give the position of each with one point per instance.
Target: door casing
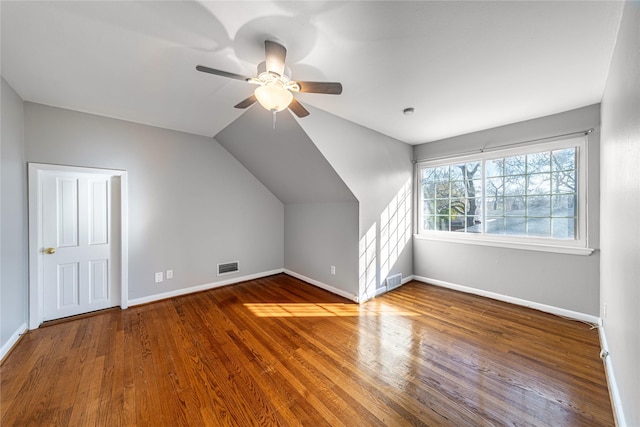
(36, 290)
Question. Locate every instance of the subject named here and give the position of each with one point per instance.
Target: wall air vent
(394, 281)
(227, 268)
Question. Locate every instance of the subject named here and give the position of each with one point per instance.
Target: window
(527, 195)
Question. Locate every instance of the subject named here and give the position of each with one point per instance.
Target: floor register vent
(394, 281)
(227, 268)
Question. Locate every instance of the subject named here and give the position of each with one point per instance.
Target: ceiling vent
(227, 268)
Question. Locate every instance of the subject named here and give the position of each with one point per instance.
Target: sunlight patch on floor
(321, 310)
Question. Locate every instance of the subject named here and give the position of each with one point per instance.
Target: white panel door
(76, 236)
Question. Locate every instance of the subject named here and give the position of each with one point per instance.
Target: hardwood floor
(276, 351)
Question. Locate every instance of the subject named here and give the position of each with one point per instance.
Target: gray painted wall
(321, 213)
(570, 282)
(620, 191)
(372, 165)
(191, 204)
(13, 216)
(319, 235)
(284, 159)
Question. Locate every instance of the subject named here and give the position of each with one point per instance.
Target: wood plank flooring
(277, 351)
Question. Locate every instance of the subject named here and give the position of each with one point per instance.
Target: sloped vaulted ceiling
(284, 159)
(463, 65)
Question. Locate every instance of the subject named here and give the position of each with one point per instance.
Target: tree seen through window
(532, 194)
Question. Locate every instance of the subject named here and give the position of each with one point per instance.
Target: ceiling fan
(275, 87)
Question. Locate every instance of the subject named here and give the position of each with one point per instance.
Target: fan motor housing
(262, 68)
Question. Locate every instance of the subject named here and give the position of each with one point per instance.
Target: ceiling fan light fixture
(273, 97)
(275, 87)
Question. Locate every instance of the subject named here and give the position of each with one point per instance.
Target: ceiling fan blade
(221, 73)
(247, 102)
(321, 87)
(298, 109)
(275, 55)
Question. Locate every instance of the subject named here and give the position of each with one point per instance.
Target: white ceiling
(463, 66)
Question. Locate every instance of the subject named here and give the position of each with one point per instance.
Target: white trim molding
(408, 279)
(200, 288)
(12, 341)
(35, 170)
(383, 290)
(324, 286)
(483, 241)
(579, 245)
(611, 379)
(518, 301)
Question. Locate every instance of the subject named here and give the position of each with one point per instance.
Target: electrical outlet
(333, 269)
(159, 277)
(169, 274)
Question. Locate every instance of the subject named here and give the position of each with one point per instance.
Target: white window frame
(577, 246)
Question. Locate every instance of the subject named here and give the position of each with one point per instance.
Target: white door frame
(36, 303)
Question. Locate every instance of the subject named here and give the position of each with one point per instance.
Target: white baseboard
(321, 285)
(13, 340)
(407, 279)
(384, 290)
(535, 305)
(199, 288)
(611, 380)
(608, 361)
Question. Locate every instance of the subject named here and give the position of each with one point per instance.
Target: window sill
(570, 250)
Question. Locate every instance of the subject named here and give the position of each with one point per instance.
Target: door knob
(50, 251)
